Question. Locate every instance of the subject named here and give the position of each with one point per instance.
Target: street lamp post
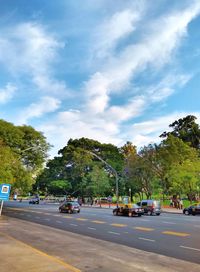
(114, 172)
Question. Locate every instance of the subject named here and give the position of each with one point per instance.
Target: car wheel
(115, 212)
(157, 213)
(78, 211)
(139, 215)
(186, 212)
(193, 214)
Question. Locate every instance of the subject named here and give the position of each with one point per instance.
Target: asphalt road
(168, 234)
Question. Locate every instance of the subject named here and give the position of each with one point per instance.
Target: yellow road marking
(98, 222)
(118, 225)
(56, 214)
(68, 266)
(181, 234)
(68, 216)
(81, 219)
(144, 229)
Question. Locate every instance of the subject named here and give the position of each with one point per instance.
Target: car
(69, 207)
(34, 200)
(194, 209)
(129, 210)
(150, 206)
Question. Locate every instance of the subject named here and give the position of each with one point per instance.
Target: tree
(185, 129)
(12, 171)
(34, 148)
(98, 182)
(168, 159)
(59, 187)
(26, 142)
(77, 159)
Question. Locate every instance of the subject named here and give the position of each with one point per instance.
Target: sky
(109, 70)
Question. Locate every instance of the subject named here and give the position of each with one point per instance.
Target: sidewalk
(27, 246)
(16, 256)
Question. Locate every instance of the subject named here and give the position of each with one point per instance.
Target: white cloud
(155, 49)
(29, 49)
(45, 105)
(114, 29)
(149, 131)
(7, 93)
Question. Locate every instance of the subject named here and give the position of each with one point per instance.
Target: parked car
(194, 209)
(34, 200)
(129, 210)
(150, 206)
(69, 207)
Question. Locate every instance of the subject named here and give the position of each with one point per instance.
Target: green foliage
(59, 187)
(12, 170)
(97, 182)
(185, 129)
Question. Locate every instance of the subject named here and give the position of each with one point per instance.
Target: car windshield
(135, 206)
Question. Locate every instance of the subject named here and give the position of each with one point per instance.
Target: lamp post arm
(113, 170)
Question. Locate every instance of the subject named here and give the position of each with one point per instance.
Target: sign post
(4, 194)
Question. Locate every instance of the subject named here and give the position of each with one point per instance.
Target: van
(150, 206)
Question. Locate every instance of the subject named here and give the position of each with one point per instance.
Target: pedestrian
(181, 204)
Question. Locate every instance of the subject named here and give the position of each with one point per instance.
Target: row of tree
(85, 167)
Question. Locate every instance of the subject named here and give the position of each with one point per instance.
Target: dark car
(150, 206)
(194, 209)
(129, 210)
(69, 207)
(34, 200)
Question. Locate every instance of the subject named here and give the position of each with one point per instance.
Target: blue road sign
(4, 191)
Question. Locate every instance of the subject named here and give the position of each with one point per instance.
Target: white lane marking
(190, 248)
(92, 228)
(47, 219)
(60, 222)
(112, 232)
(93, 214)
(145, 239)
(74, 225)
(166, 222)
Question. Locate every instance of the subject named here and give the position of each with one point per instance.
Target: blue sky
(110, 70)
